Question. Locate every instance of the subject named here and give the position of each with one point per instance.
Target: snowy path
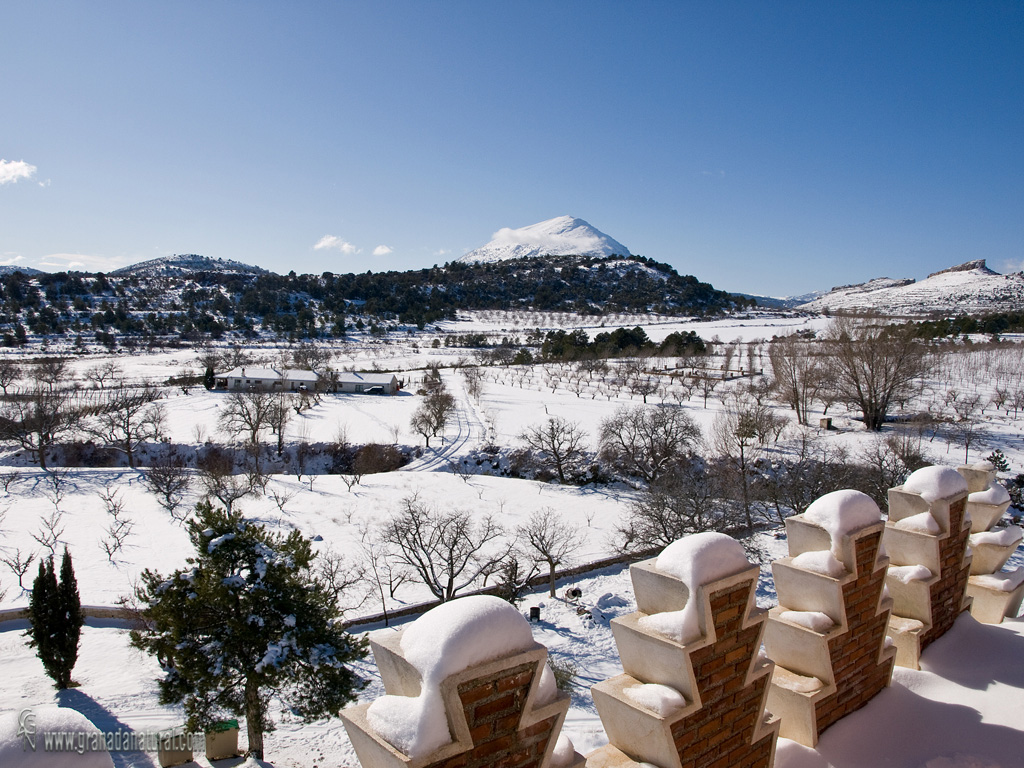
(467, 423)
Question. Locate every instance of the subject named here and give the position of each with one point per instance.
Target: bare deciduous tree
(120, 526)
(558, 440)
(310, 357)
(447, 551)
(385, 571)
(966, 429)
(10, 372)
(38, 419)
(18, 564)
(735, 439)
(706, 383)
(57, 485)
(7, 479)
(278, 418)
(790, 484)
(687, 499)
(434, 412)
(799, 374)
(637, 379)
(547, 539)
(220, 481)
(281, 498)
(643, 441)
(887, 462)
(342, 577)
(104, 372)
(50, 531)
(247, 415)
(52, 371)
(170, 480)
(131, 417)
(474, 379)
(873, 366)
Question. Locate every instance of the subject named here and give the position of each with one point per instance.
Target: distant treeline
(574, 345)
(996, 323)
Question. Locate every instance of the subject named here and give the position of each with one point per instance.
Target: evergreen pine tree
(998, 460)
(247, 618)
(55, 613)
(209, 380)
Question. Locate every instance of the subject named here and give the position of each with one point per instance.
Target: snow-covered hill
(10, 269)
(186, 264)
(561, 236)
(967, 288)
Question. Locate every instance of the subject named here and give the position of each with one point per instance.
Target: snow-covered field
(955, 694)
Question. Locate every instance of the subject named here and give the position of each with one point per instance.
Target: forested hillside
(132, 308)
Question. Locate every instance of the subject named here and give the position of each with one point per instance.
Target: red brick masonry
(494, 706)
(949, 592)
(721, 733)
(854, 654)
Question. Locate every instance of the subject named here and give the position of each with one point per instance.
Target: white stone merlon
(716, 680)
(995, 593)
(929, 566)
(827, 635)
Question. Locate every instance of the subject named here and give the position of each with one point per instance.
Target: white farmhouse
(247, 379)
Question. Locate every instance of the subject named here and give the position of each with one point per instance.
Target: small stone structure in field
(926, 540)
(995, 593)
(827, 636)
(694, 687)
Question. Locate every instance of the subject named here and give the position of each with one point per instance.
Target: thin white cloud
(335, 243)
(10, 259)
(1013, 266)
(12, 171)
(64, 262)
(382, 250)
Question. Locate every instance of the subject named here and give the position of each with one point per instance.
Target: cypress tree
(209, 378)
(55, 613)
(71, 619)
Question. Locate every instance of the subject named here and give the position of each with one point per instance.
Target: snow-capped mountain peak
(561, 236)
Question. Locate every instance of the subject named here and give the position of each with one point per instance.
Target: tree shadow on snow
(107, 722)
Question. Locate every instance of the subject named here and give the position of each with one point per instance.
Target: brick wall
(947, 594)
(721, 733)
(854, 653)
(493, 706)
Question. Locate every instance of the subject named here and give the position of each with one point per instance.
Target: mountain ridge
(970, 287)
(187, 263)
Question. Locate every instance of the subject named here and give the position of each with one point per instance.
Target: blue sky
(765, 147)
